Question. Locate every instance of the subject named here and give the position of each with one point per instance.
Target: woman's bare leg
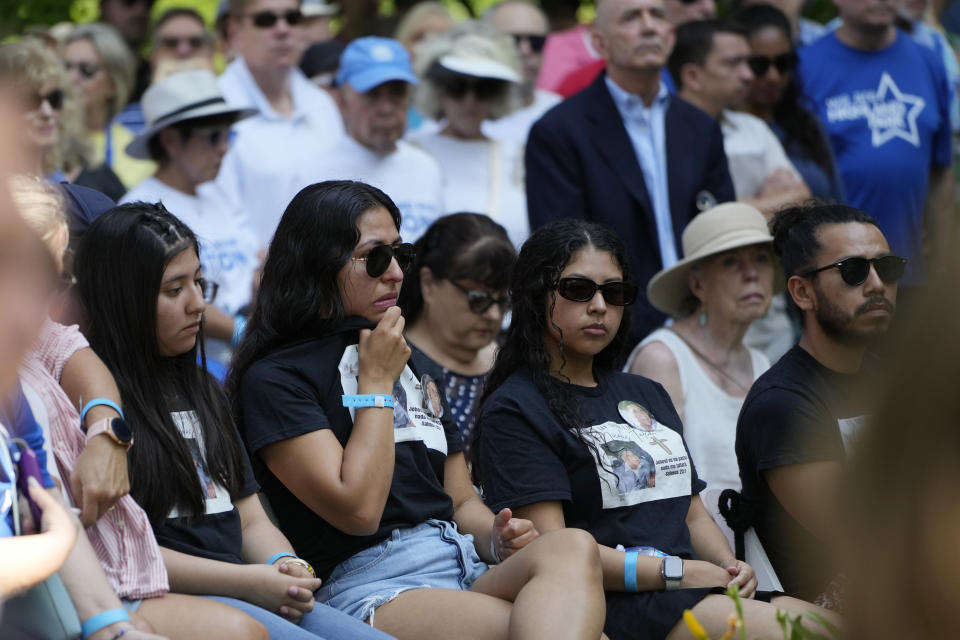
(193, 618)
(555, 585)
(759, 617)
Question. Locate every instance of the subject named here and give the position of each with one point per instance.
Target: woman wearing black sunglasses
(454, 299)
(775, 98)
(367, 481)
(557, 441)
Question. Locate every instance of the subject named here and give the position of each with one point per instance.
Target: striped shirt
(122, 537)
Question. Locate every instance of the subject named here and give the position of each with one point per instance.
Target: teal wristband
(103, 619)
(369, 400)
(630, 572)
(282, 554)
(97, 402)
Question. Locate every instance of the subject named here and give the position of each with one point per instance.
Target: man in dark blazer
(584, 161)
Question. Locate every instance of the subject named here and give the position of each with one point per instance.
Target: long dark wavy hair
(533, 294)
(461, 245)
(119, 268)
(299, 296)
(798, 123)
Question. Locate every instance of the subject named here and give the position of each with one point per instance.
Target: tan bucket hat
(726, 226)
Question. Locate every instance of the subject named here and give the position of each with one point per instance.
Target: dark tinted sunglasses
(761, 64)
(378, 259)
(173, 42)
(53, 98)
(535, 42)
(213, 136)
(855, 270)
(618, 293)
(266, 19)
(86, 69)
(480, 301)
(457, 87)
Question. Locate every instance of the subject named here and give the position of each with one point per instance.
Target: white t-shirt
(482, 176)
(516, 126)
(409, 175)
(753, 152)
(270, 160)
(228, 245)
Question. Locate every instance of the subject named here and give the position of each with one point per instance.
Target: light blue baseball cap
(369, 62)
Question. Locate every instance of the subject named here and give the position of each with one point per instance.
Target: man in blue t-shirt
(885, 102)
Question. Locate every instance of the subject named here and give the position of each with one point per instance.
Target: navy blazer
(580, 163)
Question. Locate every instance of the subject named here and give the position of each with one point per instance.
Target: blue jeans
(323, 622)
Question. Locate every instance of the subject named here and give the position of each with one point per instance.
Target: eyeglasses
(213, 136)
(267, 19)
(534, 41)
(457, 87)
(86, 69)
(761, 64)
(480, 301)
(173, 42)
(53, 98)
(378, 259)
(209, 289)
(577, 289)
(855, 270)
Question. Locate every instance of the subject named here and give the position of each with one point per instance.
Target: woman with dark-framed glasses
(384, 509)
(454, 301)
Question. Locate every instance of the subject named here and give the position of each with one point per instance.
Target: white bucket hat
(317, 8)
(475, 55)
(724, 227)
(187, 95)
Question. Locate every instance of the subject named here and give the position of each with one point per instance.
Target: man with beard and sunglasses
(800, 418)
(271, 158)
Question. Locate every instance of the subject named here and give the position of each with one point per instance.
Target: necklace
(712, 364)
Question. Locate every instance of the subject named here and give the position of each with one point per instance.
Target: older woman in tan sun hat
(724, 282)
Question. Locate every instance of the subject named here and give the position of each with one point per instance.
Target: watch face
(121, 429)
(672, 568)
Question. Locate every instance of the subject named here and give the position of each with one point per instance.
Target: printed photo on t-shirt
(637, 465)
(217, 497)
(410, 421)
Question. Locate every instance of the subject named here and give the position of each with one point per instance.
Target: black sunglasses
(535, 41)
(855, 270)
(378, 259)
(457, 86)
(86, 69)
(761, 64)
(173, 42)
(480, 301)
(213, 136)
(618, 293)
(266, 19)
(53, 98)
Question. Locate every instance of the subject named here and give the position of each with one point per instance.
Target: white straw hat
(187, 95)
(727, 226)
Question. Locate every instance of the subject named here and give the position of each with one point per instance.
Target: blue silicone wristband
(368, 400)
(97, 402)
(103, 619)
(630, 572)
(239, 324)
(282, 554)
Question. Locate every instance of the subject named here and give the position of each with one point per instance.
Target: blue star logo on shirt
(894, 114)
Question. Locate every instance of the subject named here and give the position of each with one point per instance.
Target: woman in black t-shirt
(557, 441)
(384, 508)
(144, 295)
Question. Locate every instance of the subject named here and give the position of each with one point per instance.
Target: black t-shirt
(217, 534)
(797, 412)
(631, 487)
(296, 390)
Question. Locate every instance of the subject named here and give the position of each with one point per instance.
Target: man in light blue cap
(374, 84)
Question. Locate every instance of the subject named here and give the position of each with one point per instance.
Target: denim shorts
(431, 555)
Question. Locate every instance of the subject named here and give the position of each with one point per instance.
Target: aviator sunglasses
(480, 301)
(578, 289)
(783, 63)
(266, 19)
(378, 259)
(855, 270)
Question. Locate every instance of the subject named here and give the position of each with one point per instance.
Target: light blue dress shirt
(647, 130)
